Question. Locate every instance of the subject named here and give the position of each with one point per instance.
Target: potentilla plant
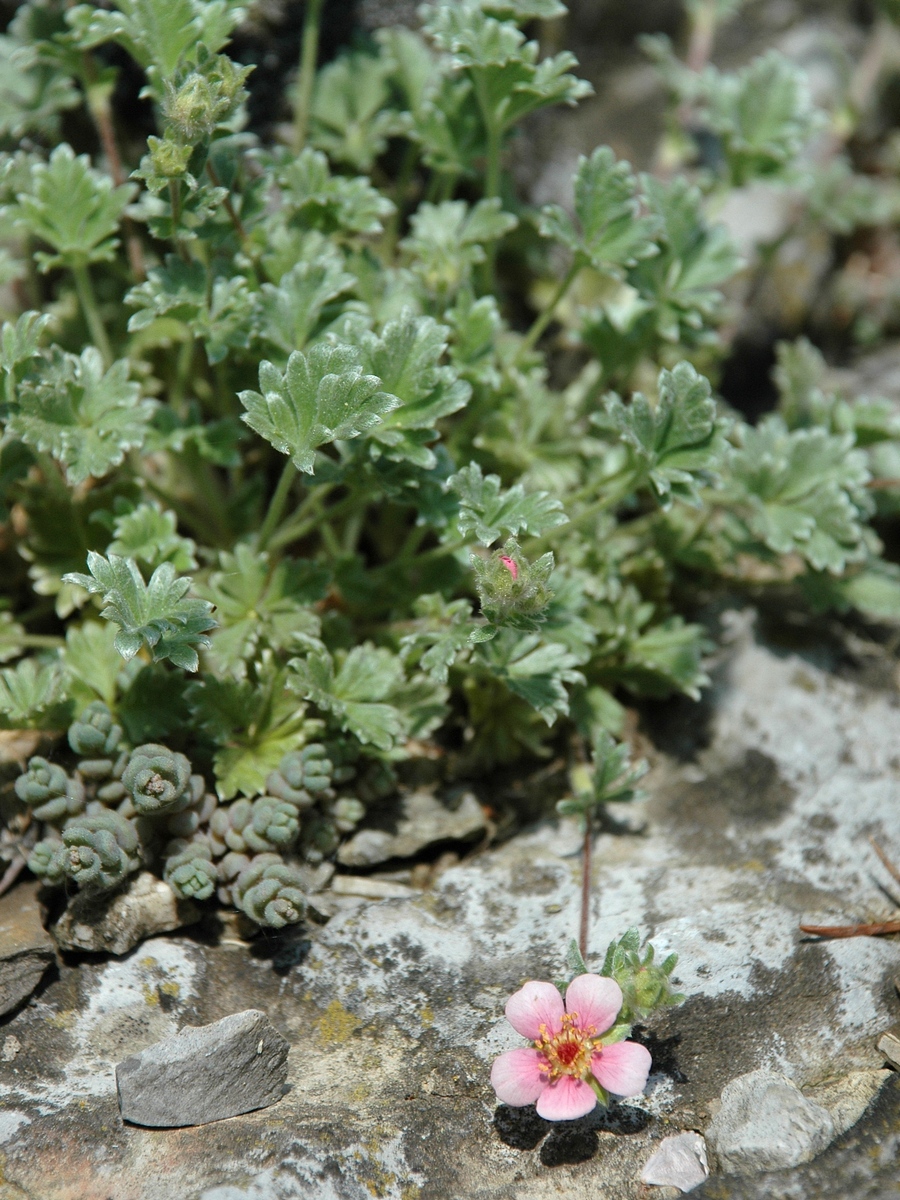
(290, 494)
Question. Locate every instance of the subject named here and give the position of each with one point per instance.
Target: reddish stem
(848, 931)
(585, 891)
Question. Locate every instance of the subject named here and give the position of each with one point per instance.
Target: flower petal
(534, 1005)
(518, 1077)
(622, 1068)
(566, 1099)
(596, 999)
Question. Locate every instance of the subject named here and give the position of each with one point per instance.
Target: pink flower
(511, 565)
(569, 1056)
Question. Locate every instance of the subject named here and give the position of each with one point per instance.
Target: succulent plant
(49, 791)
(190, 871)
(302, 776)
(159, 780)
(228, 871)
(347, 813)
(320, 837)
(98, 852)
(95, 736)
(189, 820)
(257, 826)
(44, 861)
(269, 892)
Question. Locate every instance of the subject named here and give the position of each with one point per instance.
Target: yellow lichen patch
(170, 989)
(150, 994)
(361, 1092)
(337, 1024)
(149, 962)
(426, 1016)
(63, 1020)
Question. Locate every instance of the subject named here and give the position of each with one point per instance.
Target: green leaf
(609, 233)
(443, 630)
(11, 635)
(74, 209)
(321, 397)
(32, 92)
(92, 662)
(874, 591)
(220, 313)
(800, 378)
(334, 204)
(86, 417)
(148, 534)
(258, 604)
(679, 444)
(448, 239)
(159, 34)
(350, 117)
(19, 341)
(155, 614)
(803, 492)
(682, 281)
(33, 695)
(406, 359)
(486, 510)
(253, 724)
(289, 313)
(666, 658)
(355, 694)
(763, 115)
(535, 670)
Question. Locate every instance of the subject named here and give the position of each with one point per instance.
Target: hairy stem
(229, 206)
(101, 114)
(277, 503)
(308, 57)
(544, 319)
(584, 927)
(88, 301)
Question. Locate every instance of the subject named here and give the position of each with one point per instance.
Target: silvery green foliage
(97, 852)
(295, 423)
(269, 892)
(49, 792)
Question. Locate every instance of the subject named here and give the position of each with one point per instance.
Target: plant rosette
(579, 1054)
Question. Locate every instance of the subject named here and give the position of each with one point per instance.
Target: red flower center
(568, 1052)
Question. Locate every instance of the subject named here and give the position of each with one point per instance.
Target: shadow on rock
(565, 1141)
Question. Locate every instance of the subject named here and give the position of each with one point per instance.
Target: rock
(26, 951)
(370, 889)
(848, 1098)
(116, 922)
(889, 1045)
(680, 1162)
(205, 1074)
(424, 821)
(11, 1047)
(765, 1123)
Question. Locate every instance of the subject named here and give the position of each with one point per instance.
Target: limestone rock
(679, 1162)
(849, 1097)
(425, 821)
(765, 1123)
(26, 951)
(205, 1074)
(116, 922)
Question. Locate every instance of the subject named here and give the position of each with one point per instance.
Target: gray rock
(765, 1123)
(889, 1045)
(115, 923)
(26, 951)
(424, 821)
(205, 1074)
(680, 1162)
(849, 1097)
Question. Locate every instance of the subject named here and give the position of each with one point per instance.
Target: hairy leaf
(321, 397)
(486, 510)
(156, 614)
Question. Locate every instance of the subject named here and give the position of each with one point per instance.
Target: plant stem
(88, 300)
(309, 55)
(494, 132)
(277, 503)
(101, 114)
(229, 206)
(584, 927)
(544, 319)
(175, 201)
(307, 517)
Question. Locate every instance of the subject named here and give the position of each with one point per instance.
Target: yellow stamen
(569, 1051)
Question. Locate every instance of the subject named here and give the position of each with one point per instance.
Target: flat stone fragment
(205, 1074)
(889, 1045)
(425, 821)
(371, 889)
(679, 1162)
(114, 923)
(848, 1098)
(765, 1123)
(26, 950)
